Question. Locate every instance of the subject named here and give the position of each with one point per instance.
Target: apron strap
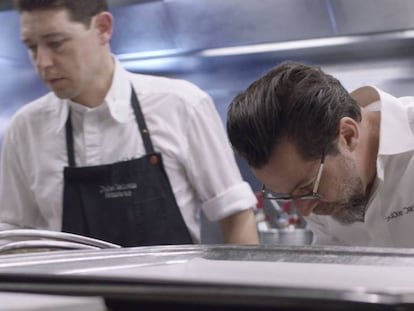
(142, 127)
(149, 148)
(69, 141)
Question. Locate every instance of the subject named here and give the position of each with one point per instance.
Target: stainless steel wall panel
(11, 49)
(217, 23)
(143, 27)
(368, 16)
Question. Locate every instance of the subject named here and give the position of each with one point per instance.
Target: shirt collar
(396, 135)
(117, 99)
(119, 95)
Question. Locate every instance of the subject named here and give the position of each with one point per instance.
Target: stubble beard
(352, 207)
(353, 210)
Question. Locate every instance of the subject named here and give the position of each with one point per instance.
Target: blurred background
(223, 45)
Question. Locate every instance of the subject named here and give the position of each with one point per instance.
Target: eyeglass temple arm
(318, 177)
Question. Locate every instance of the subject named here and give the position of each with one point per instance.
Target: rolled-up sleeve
(233, 200)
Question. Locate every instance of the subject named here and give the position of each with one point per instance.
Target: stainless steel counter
(221, 276)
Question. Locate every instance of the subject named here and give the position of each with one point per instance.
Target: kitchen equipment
(31, 240)
(222, 277)
(286, 236)
(280, 223)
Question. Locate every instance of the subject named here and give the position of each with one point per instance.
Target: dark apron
(130, 203)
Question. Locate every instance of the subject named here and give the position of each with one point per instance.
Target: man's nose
(305, 207)
(43, 58)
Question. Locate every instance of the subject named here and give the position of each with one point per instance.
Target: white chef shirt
(389, 219)
(184, 126)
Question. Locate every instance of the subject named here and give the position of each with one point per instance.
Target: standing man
(345, 160)
(121, 157)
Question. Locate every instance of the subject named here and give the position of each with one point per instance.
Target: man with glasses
(346, 160)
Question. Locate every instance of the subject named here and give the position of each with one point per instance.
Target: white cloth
(184, 126)
(389, 220)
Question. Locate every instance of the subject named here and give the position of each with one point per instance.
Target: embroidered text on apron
(130, 203)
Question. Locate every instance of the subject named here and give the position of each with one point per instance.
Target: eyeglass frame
(314, 195)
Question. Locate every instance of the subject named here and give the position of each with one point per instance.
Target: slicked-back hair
(79, 10)
(293, 101)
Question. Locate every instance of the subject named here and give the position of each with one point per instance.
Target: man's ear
(349, 132)
(104, 24)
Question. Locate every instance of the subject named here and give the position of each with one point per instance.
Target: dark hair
(294, 101)
(79, 10)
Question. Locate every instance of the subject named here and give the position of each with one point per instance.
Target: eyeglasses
(268, 195)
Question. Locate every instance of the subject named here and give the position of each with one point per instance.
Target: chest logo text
(117, 190)
(402, 212)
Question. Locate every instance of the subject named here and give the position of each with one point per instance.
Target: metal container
(286, 236)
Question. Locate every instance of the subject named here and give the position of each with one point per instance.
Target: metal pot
(286, 236)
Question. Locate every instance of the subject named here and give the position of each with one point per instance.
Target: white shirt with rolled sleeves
(389, 219)
(184, 126)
